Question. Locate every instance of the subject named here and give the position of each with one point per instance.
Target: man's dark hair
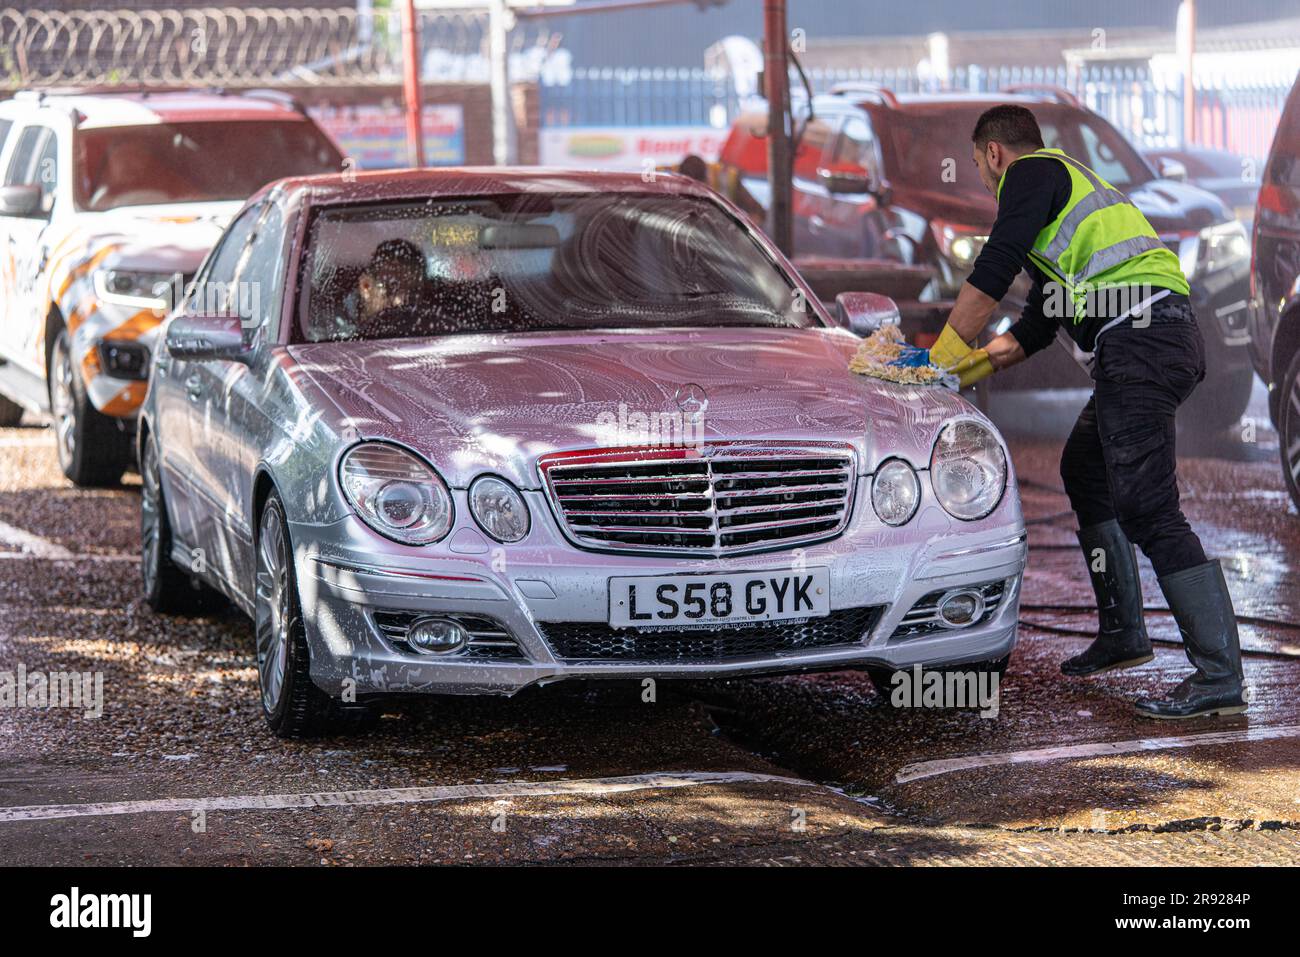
(1010, 125)
(694, 167)
(397, 252)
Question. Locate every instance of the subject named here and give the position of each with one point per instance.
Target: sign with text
(627, 147)
(374, 135)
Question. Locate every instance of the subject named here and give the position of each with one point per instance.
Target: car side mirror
(862, 313)
(21, 200)
(203, 337)
(845, 178)
(1170, 168)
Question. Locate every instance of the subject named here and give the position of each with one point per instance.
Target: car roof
(109, 108)
(381, 185)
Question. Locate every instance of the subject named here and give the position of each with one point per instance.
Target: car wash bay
(786, 770)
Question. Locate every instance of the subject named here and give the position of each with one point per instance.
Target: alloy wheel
(63, 402)
(150, 518)
(272, 622)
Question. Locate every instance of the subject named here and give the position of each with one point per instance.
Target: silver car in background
(468, 431)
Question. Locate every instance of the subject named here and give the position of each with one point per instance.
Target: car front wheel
(93, 449)
(291, 703)
(883, 678)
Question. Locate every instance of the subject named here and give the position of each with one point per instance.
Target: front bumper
(346, 589)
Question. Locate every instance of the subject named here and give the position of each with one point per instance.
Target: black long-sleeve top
(1034, 192)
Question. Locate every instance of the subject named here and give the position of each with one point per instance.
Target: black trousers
(1119, 461)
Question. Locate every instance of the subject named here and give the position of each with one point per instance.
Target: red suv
(885, 176)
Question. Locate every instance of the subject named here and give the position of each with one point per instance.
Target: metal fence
(235, 47)
(1238, 114)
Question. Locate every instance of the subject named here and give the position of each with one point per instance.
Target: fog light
(124, 360)
(961, 608)
(437, 636)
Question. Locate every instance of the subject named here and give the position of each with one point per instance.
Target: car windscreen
(527, 262)
(921, 141)
(194, 162)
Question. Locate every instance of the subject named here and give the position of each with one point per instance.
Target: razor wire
(231, 46)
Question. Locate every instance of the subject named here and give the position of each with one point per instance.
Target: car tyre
(1288, 428)
(291, 703)
(11, 413)
(93, 449)
(883, 678)
(167, 588)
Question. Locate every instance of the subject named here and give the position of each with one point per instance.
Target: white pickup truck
(108, 204)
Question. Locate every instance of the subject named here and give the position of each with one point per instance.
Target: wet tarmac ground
(777, 771)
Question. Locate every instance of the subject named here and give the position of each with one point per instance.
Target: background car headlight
(895, 492)
(144, 290)
(396, 493)
(1214, 248)
(968, 469)
(498, 508)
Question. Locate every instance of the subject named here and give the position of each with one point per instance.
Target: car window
(46, 171)
(1102, 158)
(217, 292)
(921, 144)
(856, 145)
(817, 134)
(22, 165)
(5, 127)
(525, 262)
(35, 161)
(194, 162)
(259, 272)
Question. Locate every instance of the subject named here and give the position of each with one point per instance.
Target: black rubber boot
(1199, 599)
(1122, 640)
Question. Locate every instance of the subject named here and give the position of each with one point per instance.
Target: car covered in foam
(489, 429)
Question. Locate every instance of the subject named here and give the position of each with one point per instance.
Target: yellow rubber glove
(948, 349)
(975, 366)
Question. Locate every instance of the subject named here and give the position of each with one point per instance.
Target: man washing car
(1103, 278)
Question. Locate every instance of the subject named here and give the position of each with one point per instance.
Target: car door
(34, 160)
(233, 396)
(182, 410)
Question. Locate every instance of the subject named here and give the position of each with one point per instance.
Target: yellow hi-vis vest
(1099, 239)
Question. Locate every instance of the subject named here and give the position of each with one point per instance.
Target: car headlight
(968, 469)
(396, 493)
(961, 245)
(498, 508)
(128, 287)
(895, 492)
(1214, 248)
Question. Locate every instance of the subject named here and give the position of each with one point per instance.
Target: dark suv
(1275, 287)
(885, 176)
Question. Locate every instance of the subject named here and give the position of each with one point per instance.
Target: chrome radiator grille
(716, 499)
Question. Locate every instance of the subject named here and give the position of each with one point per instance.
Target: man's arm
(1033, 191)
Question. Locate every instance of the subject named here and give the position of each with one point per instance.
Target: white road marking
(418, 795)
(929, 769)
(34, 548)
(25, 442)
(33, 545)
(70, 557)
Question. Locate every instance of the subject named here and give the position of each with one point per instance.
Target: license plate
(700, 601)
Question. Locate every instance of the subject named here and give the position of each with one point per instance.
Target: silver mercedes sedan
(468, 431)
